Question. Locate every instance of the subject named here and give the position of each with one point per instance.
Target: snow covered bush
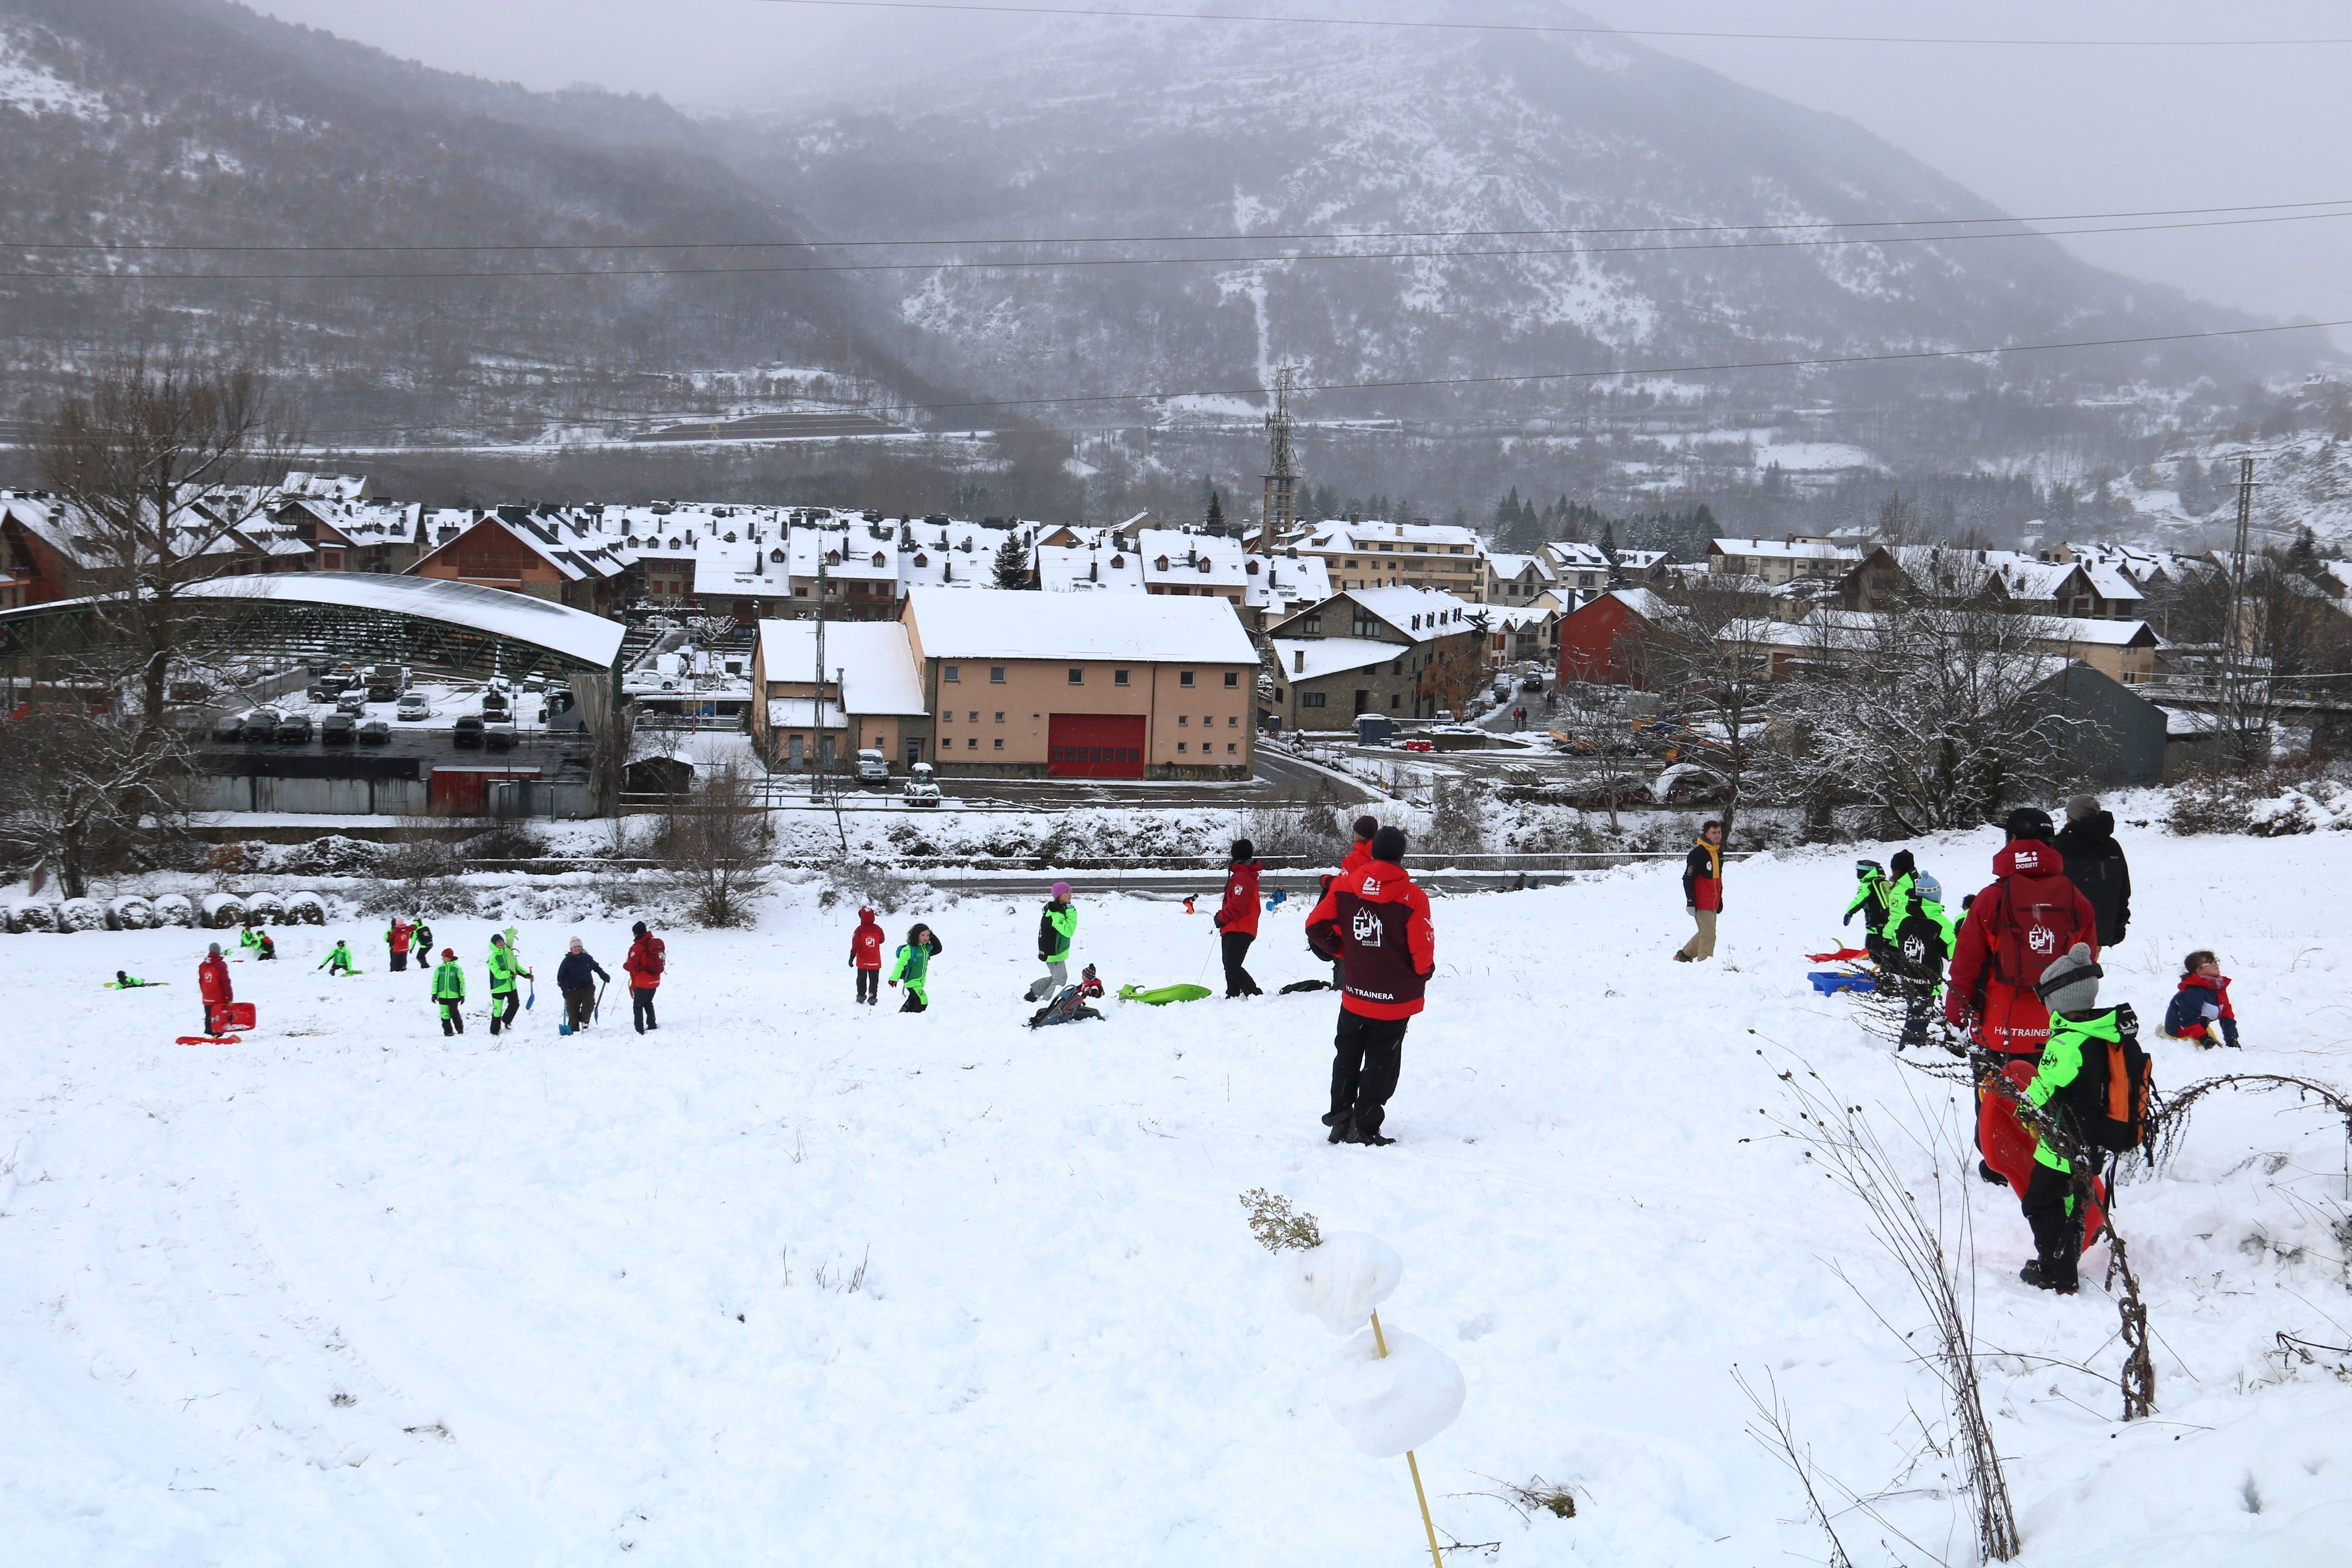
(174, 909)
(81, 914)
(129, 912)
(2270, 802)
(222, 910)
(264, 908)
(32, 915)
(305, 910)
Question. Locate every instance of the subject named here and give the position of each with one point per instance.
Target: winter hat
(450, 953)
(1245, 850)
(1865, 868)
(1061, 889)
(2081, 807)
(638, 929)
(1901, 864)
(2072, 984)
(1388, 845)
(497, 940)
(2030, 822)
(864, 913)
(216, 949)
(2198, 959)
(1366, 826)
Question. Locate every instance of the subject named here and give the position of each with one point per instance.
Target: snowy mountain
(1209, 128)
(174, 121)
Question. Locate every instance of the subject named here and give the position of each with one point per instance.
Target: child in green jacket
(914, 966)
(339, 960)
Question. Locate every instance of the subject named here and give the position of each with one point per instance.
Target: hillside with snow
(788, 1277)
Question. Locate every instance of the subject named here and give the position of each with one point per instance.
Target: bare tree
(85, 792)
(1714, 648)
(713, 841)
(158, 465)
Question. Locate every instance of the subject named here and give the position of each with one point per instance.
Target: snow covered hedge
(32, 915)
(264, 908)
(174, 909)
(222, 910)
(2272, 804)
(130, 912)
(81, 914)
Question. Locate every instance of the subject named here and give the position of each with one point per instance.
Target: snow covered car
(921, 789)
(872, 767)
(413, 707)
(353, 701)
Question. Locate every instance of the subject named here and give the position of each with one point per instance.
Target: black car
(229, 726)
(1532, 683)
(374, 733)
(383, 689)
(261, 725)
(294, 729)
(338, 729)
(469, 732)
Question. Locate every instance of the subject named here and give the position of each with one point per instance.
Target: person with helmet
(1915, 939)
(449, 993)
(1057, 928)
(1375, 923)
(865, 956)
(1869, 901)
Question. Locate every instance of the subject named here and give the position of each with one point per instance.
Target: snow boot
(1333, 1118)
(1340, 1132)
(1987, 1174)
(2048, 1278)
(1371, 1139)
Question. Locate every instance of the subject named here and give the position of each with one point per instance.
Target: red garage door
(1095, 746)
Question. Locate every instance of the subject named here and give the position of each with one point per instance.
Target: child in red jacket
(866, 957)
(1238, 918)
(2201, 1007)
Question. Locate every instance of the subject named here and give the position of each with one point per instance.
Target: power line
(1595, 31)
(308, 247)
(1038, 264)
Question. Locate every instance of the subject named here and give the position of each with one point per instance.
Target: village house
(871, 696)
(1404, 653)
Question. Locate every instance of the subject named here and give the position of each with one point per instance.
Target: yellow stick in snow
(1419, 1496)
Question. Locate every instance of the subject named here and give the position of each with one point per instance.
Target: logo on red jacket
(2026, 859)
(2041, 940)
(1367, 928)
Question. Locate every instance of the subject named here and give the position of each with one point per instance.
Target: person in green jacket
(449, 992)
(1056, 929)
(251, 937)
(1869, 901)
(503, 975)
(339, 960)
(130, 982)
(1914, 941)
(914, 966)
(2069, 988)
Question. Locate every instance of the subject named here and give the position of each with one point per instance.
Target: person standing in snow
(503, 971)
(572, 977)
(214, 989)
(420, 943)
(395, 941)
(1237, 918)
(2201, 1005)
(1057, 928)
(1870, 899)
(647, 957)
(2095, 863)
(1702, 892)
(1375, 923)
(1915, 942)
(2069, 988)
(449, 993)
(914, 968)
(339, 960)
(1361, 851)
(865, 956)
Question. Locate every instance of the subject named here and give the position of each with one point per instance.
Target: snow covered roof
(795, 713)
(1337, 534)
(1420, 612)
(874, 661)
(1642, 602)
(575, 635)
(1305, 658)
(2105, 633)
(1511, 567)
(997, 622)
(1799, 549)
(2109, 581)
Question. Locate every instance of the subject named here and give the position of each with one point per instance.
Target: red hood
(2028, 859)
(1381, 881)
(866, 917)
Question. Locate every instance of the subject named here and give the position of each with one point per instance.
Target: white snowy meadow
(792, 1280)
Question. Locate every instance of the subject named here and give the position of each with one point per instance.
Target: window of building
(948, 717)
(1233, 721)
(996, 675)
(1232, 679)
(1183, 718)
(1000, 742)
(951, 673)
(1180, 746)
(1394, 703)
(1310, 699)
(1077, 676)
(971, 718)
(1231, 748)
(1000, 718)
(1119, 677)
(1184, 677)
(973, 744)
(1314, 623)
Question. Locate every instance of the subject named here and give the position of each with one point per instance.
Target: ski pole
(598, 1006)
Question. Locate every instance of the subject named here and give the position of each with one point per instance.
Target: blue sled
(1830, 981)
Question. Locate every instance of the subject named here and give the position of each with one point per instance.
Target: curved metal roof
(574, 637)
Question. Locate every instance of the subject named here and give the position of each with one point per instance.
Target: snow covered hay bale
(81, 914)
(174, 909)
(305, 910)
(264, 909)
(31, 915)
(222, 910)
(130, 912)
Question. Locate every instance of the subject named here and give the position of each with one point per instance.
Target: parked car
(353, 701)
(469, 732)
(921, 788)
(338, 729)
(413, 707)
(374, 733)
(294, 729)
(872, 767)
(327, 688)
(261, 724)
(497, 734)
(229, 726)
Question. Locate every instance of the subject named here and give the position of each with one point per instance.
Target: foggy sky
(2034, 131)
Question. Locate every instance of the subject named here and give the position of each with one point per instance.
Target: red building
(1602, 643)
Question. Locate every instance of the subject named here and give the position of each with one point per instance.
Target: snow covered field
(790, 1281)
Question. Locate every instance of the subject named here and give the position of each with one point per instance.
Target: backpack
(654, 959)
(2107, 1102)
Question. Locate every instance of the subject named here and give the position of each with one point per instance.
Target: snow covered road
(794, 1282)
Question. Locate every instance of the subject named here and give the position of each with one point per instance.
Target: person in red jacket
(1238, 918)
(212, 986)
(2016, 928)
(647, 957)
(1375, 923)
(865, 956)
(1361, 851)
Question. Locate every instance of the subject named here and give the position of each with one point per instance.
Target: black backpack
(2107, 1102)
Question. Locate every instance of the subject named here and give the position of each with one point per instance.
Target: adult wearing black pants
(1238, 918)
(576, 977)
(646, 959)
(1374, 923)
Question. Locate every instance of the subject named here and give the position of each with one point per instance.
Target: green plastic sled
(1162, 996)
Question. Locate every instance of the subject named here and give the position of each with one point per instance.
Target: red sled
(2008, 1146)
(208, 1040)
(1842, 955)
(223, 1016)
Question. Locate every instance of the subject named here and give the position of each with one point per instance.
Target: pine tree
(1608, 552)
(1215, 521)
(1011, 563)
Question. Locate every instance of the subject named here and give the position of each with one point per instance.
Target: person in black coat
(572, 977)
(2096, 864)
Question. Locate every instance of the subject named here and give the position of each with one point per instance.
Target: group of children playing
(911, 964)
